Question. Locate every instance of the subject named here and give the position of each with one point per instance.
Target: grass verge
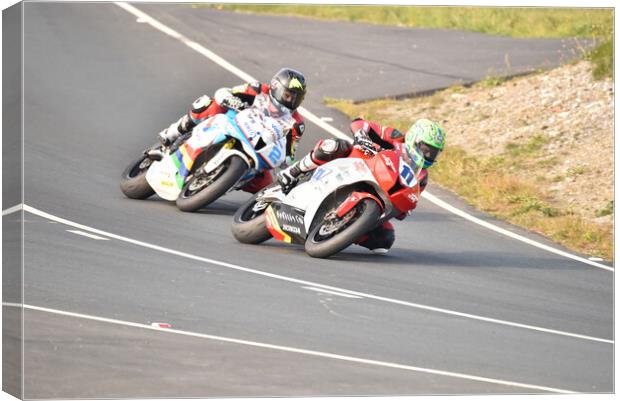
(489, 183)
(521, 22)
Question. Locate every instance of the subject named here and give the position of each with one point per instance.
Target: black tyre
(332, 235)
(204, 188)
(249, 226)
(133, 181)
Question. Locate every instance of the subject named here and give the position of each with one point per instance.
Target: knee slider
(199, 105)
(380, 238)
(330, 149)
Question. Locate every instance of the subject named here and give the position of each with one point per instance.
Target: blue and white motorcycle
(222, 154)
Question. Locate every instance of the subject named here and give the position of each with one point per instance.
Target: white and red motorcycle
(342, 200)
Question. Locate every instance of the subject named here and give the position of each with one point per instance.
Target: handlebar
(368, 150)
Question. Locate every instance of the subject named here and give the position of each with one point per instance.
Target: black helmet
(288, 88)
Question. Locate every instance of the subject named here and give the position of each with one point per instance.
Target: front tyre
(133, 180)
(333, 233)
(204, 188)
(249, 226)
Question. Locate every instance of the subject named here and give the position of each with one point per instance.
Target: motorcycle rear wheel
(249, 226)
(194, 197)
(332, 236)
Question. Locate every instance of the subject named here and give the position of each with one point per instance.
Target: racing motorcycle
(221, 154)
(337, 204)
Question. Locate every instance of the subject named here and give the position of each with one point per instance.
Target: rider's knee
(202, 108)
(330, 149)
(382, 237)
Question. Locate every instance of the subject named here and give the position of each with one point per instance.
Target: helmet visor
(413, 159)
(287, 97)
(429, 152)
(276, 109)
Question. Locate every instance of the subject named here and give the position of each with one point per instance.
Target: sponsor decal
(388, 162)
(438, 136)
(289, 217)
(295, 84)
(291, 229)
(412, 197)
(360, 166)
(320, 173)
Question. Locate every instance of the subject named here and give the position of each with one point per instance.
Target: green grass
(524, 22)
(602, 59)
(528, 149)
(521, 22)
(489, 183)
(607, 210)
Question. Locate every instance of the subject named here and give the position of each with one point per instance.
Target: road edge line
(302, 351)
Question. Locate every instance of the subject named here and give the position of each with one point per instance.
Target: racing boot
(288, 177)
(154, 154)
(180, 127)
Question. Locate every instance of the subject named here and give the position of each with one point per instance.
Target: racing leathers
(236, 98)
(381, 239)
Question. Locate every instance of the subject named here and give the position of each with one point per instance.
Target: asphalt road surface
(454, 308)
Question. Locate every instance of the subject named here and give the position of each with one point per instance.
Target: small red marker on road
(161, 325)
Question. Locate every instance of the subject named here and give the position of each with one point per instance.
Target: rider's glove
(287, 178)
(234, 103)
(360, 137)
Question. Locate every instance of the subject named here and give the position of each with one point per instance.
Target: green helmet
(427, 138)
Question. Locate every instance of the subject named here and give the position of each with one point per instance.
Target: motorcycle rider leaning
(425, 140)
(286, 90)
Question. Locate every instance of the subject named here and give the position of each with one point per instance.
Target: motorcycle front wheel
(203, 188)
(333, 233)
(133, 179)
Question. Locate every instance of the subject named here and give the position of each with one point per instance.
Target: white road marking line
(12, 209)
(337, 133)
(78, 232)
(327, 119)
(310, 283)
(507, 233)
(340, 294)
(295, 350)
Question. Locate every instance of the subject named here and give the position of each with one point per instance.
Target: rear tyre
(133, 181)
(249, 225)
(333, 234)
(204, 188)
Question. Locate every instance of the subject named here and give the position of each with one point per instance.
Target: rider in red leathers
(286, 89)
(368, 133)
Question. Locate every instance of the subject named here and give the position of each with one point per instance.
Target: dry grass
(489, 183)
